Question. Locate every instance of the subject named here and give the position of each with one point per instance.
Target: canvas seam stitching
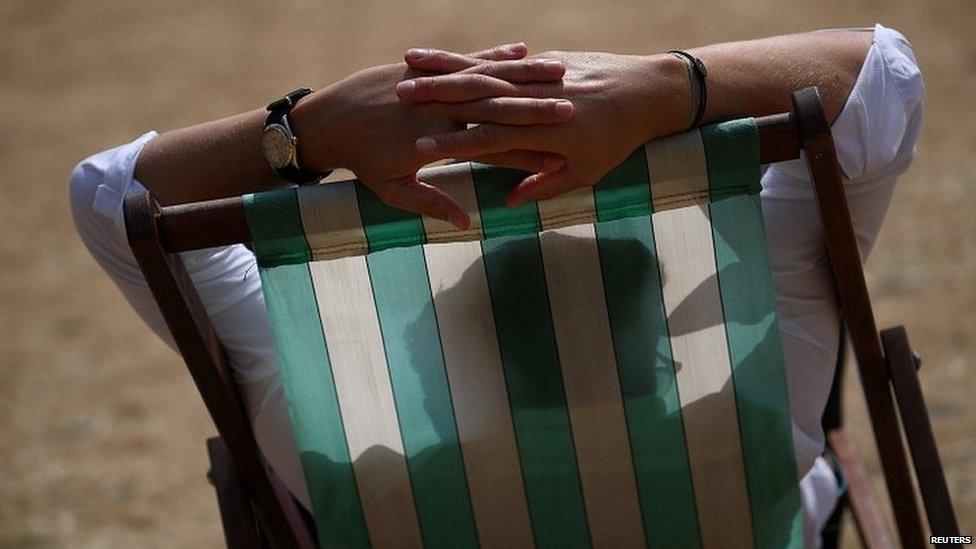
(342, 248)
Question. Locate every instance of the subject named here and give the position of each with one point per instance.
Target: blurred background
(101, 430)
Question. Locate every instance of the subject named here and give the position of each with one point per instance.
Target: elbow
(83, 187)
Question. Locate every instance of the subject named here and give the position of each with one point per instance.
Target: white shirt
(875, 136)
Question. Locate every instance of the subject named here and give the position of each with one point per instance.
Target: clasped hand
(566, 118)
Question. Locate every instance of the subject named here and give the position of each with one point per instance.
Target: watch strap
(278, 114)
(284, 105)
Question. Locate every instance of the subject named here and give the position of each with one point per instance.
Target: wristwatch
(280, 145)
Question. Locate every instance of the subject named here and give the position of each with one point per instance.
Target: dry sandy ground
(101, 431)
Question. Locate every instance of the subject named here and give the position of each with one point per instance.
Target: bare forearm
(211, 160)
(622, 101)
(756, 77)
(359, 124)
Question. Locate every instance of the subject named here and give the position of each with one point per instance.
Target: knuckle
(480, 82)
(486, 133)
(494, 103)
(487, 68)
(448, 143)
(423, 85)
(540, 109)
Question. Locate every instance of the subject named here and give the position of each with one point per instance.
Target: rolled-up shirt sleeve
(875, 134)
(227, 283)
(876, 131)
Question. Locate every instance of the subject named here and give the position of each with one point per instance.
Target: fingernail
(552, 65)
(415, 54)
(515, 48)
(563, 109)
(553, 163)
(406, 88)
(426, 144)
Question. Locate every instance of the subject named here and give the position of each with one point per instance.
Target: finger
(438, 61)
(511, 110)
(463, 86)
(409, 193)
(477, 141)
(542, 186)
(515, 50)
(434, 60)
(530, 161)
(522, 70)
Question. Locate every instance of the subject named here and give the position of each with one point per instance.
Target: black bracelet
(699, 89)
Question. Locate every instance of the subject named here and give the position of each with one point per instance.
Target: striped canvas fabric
(601, 369)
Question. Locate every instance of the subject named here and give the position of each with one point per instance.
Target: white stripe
(678, 173)
(458, 182)
(330, 218)
(474, 371)
(568, 209)
(362, 381)
(704, 375)
(589, 369)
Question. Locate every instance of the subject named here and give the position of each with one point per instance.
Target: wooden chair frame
(257, 510)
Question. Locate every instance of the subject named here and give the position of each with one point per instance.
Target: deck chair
(600, 369)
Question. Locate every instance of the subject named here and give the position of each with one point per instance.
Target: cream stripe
(458, 182)
(589, 370)
(369, 417)
(474, 372)
(704, 375)
(679, 175)
(330, 217)
(567, 209)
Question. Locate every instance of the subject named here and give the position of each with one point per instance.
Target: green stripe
(423, 399)
(753, 335)
(491, 186)
(306, 372)
(386, 226)
(276, 227)
(313, 405)
(639, 325)
(624, 191)
(732, 156)
(527, 343)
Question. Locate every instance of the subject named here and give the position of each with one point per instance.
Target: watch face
(278, 146)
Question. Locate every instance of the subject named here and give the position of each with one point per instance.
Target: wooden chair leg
(236, 513)
(863, 502)
(918, 432)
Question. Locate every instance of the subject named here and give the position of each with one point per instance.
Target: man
(567, 118)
